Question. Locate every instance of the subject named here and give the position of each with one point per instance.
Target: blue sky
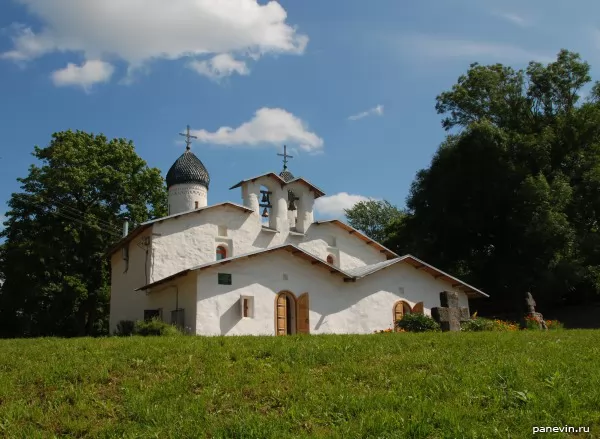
(348, 85)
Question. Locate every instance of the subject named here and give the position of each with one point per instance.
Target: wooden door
(418, 308)
(398, 313)
(281, 315)
(303, 324)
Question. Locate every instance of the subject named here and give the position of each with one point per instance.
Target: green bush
(154, 327)
(125, 328)
(477, 324)
(483, 324)
(417, 323)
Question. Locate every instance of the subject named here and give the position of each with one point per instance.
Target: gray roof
(188, 169)
(353, 274)
(368, 269)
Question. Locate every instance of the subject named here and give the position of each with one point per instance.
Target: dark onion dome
(188, 169)
(286, 175)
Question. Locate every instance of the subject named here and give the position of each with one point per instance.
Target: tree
(511, 200)
(372, 217)
(70, 210)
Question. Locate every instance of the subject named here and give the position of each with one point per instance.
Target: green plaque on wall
(224, 279)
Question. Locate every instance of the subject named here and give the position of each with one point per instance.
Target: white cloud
(333, 206)
(512, 18)
(139, 31)
(274, 126)
(377, 111)
(434, 47)
(86, 75)
(220, 66)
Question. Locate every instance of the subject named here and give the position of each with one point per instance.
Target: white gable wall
(335, 306)
(190, 240)
(352, 251)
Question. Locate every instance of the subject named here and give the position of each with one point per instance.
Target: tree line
(511, 200)
(510, 203)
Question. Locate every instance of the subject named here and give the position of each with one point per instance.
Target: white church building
(265, 266)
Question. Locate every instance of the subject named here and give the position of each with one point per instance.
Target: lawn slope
(472, 385)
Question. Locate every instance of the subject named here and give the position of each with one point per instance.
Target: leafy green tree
(511, 200)
(372, 217)
(71, 209)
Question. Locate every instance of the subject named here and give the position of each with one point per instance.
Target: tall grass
(432, 385)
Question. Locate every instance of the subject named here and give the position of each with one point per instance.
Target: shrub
(554, 324)
(154, 327)
(477, 324)
(125, 328)
(417, 323)
(483, 324)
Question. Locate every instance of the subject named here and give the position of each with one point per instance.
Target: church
(264, 266)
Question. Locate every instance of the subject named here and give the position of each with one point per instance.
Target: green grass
(440, 385)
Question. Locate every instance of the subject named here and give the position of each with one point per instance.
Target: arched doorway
(402, 308)
(291, 314)
(285, 313)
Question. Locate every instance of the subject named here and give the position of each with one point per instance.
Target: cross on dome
(188, 138)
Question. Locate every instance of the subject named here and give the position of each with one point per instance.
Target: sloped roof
(279, 179)
(139, 229)
(350, 275)
(352, 231)
(361, 272)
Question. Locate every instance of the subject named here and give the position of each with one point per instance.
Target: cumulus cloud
(220, 66)
(143, 30)
(269, 126)
(375, 111)
(86, 75)
(333, 206)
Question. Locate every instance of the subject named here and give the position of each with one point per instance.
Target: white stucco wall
(183, 197)
(352, 251)
(191, 240)
(125, 303)
(335, 306)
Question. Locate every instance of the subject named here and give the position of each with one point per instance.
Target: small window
(196, 204)
(330, 259)
(221, 252)
(247, 303)
(222, 230)
(224, 279)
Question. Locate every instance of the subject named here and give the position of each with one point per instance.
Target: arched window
(330, 259)
(221, 252)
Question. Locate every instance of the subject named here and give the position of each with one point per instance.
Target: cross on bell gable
(285, 156)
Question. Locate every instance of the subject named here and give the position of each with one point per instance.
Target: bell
(265, 213)
(265, 198)
(292, 205)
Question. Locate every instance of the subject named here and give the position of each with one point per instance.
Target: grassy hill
(471, 385)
